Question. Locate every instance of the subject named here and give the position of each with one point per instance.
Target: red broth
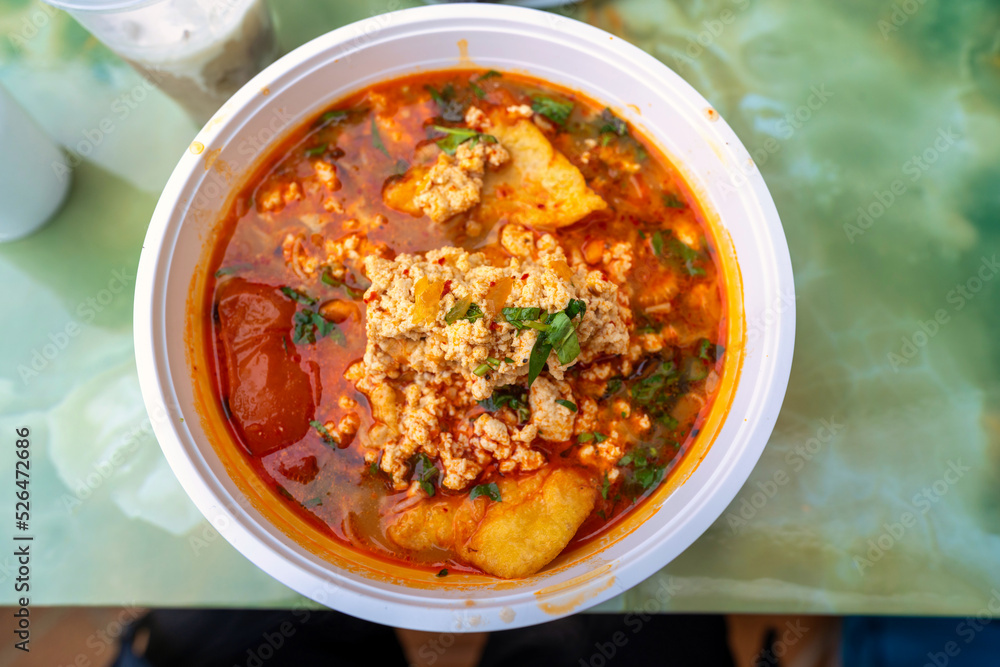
(280, 388)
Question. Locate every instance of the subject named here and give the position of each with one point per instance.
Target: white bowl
(572, 54)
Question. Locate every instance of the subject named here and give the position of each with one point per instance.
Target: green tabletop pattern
(877, 128)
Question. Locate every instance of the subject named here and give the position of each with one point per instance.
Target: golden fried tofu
(436, 524)
(516, 537)
(540, 187)
(537, 518)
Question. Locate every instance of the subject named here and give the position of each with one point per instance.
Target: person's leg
(599, 640)
(224, 638)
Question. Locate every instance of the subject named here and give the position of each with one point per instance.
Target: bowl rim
(386, 606)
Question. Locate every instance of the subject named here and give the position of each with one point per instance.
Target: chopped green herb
(283, 491)
(377, 139)
(335, 115)
(569, 405)
(510, 396)
(373, 468)
(560, 336)
(606, 486)
(491, 491)
(229, 270)
(489, 74)
(688, 255)
(450, 108)
(425, 473)
(309, 324)
(646, 473)
(703, 349)
(464, 309)
(313, 502)
(300, 297)
(614, 386)
(575, 307)
(657, 243)
(481, 370)
(457, 136)
(521, 318)
(556, 111)
(612, 124)
(591, 435)
(353, 292)
(316, 151)
(670, 200)
(324, 433)
(508, 360)
(648, 389)
(442, 573)
(477, 91)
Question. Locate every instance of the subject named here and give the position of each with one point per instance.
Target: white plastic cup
(199, 52)
(30, 187)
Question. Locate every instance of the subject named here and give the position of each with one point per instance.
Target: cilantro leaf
(300, 297)
(450, 108)
(606, 486)
(510, 396)
(569, 405)
(425, 473)
(316, 151)
(328, 438)
(612, 124)
(229, 270)
(443, 572)
(464, 309)
(336, 115)
(524, 318)
(491, 491)
(671, 200)
(489, 74)
(377, 139)
(456, 136)
(556, 111)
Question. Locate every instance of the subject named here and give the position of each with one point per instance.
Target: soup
(465, 320)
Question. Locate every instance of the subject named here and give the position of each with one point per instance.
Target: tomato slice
(271, 396)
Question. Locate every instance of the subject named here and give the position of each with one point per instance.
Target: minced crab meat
(416, 428)
(553, 420)
(454, 184)
(411, 296)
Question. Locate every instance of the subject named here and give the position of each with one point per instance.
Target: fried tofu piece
(540, 187)
(437, 524)
(514, 538)
(537, 518)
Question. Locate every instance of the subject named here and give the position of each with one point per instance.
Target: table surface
(879, 491)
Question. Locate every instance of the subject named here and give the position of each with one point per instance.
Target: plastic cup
(30, 188)
(199, 52)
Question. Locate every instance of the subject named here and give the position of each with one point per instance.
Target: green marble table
(876, 125)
